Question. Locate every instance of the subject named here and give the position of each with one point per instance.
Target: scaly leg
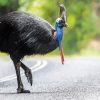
(17, 65)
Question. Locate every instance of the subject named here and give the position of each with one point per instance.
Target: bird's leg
(19, 81)
(28, 73)
(17, 65)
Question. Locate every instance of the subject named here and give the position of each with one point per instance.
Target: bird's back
(26, 32)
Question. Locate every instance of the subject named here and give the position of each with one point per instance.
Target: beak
(66, 25)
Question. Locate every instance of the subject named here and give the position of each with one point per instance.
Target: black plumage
(25, 34)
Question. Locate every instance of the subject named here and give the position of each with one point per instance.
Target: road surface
(77, 79)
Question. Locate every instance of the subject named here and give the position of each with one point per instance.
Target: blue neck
(59, 33)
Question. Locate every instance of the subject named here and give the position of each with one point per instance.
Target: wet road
(77, 79)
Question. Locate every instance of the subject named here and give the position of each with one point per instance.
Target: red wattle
(62, 55)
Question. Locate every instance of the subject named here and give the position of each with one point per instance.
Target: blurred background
(83, 17)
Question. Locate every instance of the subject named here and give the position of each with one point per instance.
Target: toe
(22, 91)
(25, 91)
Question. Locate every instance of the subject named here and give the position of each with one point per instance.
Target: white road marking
(44, 63)
(39, 65)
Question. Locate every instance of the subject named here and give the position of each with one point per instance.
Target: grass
(3, 54)
(87, 52)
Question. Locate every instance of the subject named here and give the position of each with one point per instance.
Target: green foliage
(82, 27)
(5, 2)
(79, 17)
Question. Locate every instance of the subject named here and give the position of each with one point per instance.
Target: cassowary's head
(60, 23)
(63, 15)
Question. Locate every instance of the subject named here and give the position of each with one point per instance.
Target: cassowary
(24, 34)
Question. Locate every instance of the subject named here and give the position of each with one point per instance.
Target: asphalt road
(77, 79)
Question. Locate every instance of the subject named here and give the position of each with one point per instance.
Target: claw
(28, 74)
(21, 90)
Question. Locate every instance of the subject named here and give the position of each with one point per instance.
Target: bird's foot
(21, 90)
(28, 74)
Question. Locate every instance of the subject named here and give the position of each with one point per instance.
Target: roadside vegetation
(83, 17)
